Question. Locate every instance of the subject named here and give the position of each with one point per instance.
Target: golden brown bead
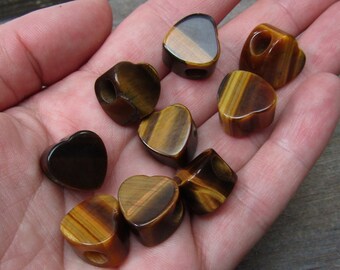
(152, 207)
(97, 232)
(272, 54)
(191, 47)
(206, 182)
(246, 103)
(128, 92)
(170, 135)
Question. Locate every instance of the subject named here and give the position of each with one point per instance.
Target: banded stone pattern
(97, 232)
(191, 47)
(246, 103)
(206, 182)
(152, 207)
(128, 92)
(272, 54)
(170, 135)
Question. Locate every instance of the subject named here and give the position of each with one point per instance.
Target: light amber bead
(152, 207)
(206, 182)
(170, 135)
(128, 92)
(272, 54)
(97, 231)
(191, 47)
(246, 103)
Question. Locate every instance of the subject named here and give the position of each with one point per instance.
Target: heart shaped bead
(77, 162)
(170, 135)
(97, 232)
(272, 54)
(191, 47)
(206, 182)
(128, 92)
(246, 103)
(152, 207)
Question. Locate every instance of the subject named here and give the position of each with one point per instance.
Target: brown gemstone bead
(272, 54)
(152, 207)
(191, 47)
(246, 103)
(97, 231)
(128, 92)
(206, 182)
(77, 162)
(170, 135)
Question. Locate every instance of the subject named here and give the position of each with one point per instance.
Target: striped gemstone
(191, 48)
(152, 207)
(170, 134)
(272, 54)
(206, 182)
(128, 92)
(246, 103)
(96, 231)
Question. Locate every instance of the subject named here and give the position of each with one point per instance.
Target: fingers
(320, 47)
(321, 43)
(42, 47)
(278, 13)
(268, 181)
(139, 37)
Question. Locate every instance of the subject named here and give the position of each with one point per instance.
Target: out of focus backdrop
(307, 234)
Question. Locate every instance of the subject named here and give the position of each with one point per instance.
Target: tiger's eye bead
(246, 103)
(128, 92)
(97, 232)
(152, 207)
(191, 47)
(206, 182)
(77, 162)
(272, 54)
(170, 135)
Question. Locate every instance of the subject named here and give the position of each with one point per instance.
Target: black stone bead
(77, 162)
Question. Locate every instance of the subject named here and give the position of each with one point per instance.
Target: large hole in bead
(96, 257)
(107, 91)
(260, 42)
(195, 73)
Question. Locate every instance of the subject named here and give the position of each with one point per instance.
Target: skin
(65, 51)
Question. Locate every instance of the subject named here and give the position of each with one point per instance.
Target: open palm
(49, 61)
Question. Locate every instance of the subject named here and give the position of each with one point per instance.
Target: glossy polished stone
(272, 54)
(206, 182)
(128, 92)
(152, 207)
(170, 135)
(97, 231)
(77, 162)
(246, 103)
(191, 47)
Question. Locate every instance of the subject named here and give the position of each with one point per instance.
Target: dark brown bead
(152, 207)
(97, 231)
(77, 162)
(191, 47)
(128, 92)
(246, 103)
(272, 54)
(206, 182)
(170, 135)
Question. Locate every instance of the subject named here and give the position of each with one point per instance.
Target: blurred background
(307, 233)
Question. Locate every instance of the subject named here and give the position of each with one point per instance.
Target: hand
(66, 47)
